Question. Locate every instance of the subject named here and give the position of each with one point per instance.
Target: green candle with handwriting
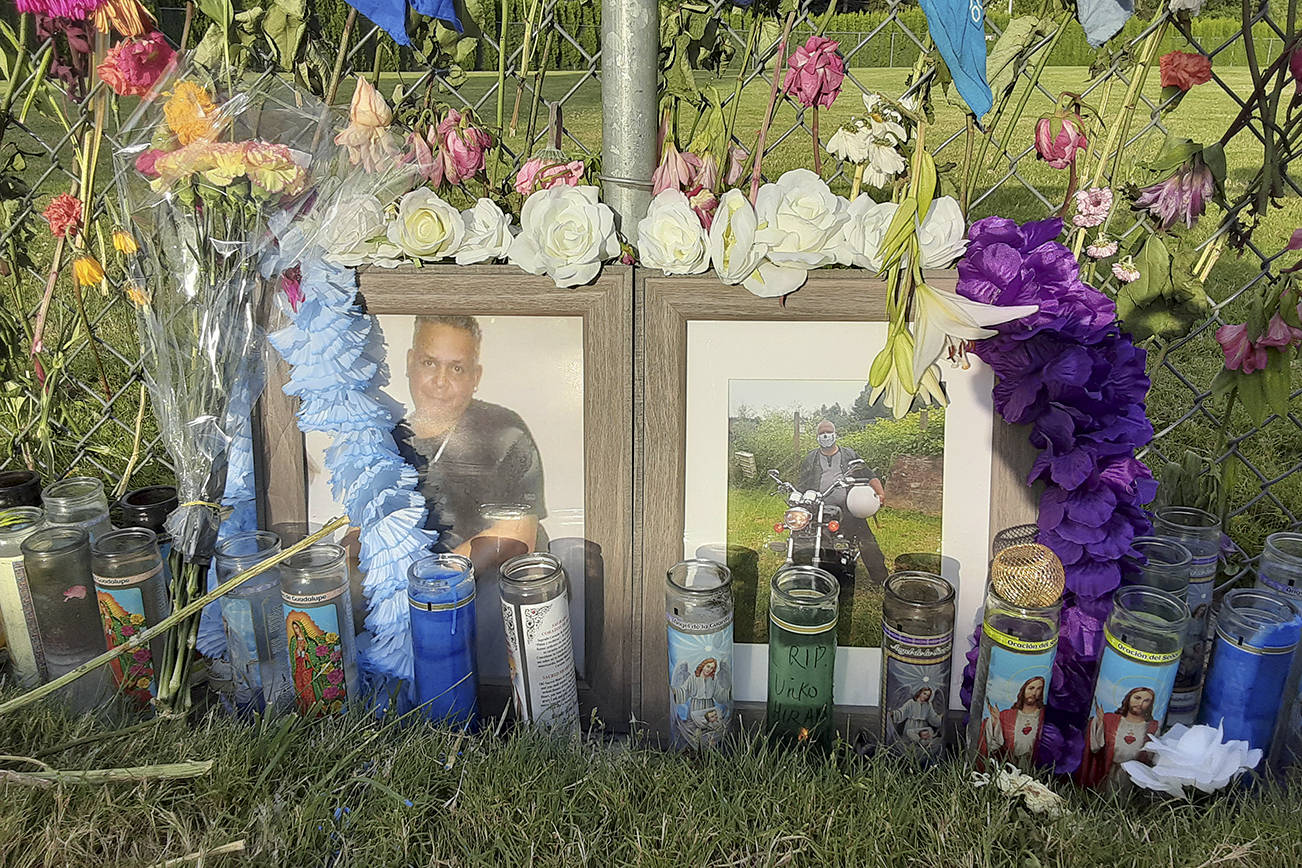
(802, 654)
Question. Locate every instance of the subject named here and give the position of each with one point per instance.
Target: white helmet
(862, 501)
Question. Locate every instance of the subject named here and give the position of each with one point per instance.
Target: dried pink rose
(463, 145)
(543, 173)
(1092, 206)
(133, 66)
(1059, 149)
(815, 71)
(367, 135)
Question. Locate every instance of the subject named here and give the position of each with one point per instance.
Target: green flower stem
(768, 112)
(501, 66)
(731, 123)
(1011, 126)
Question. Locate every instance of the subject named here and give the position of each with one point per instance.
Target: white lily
(943, 317)
(739, 258)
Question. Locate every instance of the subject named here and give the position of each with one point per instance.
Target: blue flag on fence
(391, 15)
(1103, 19)
(958, 27)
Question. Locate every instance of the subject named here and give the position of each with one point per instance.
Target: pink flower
(1181, 198)
(1102, 249)
(1279, 334)
(76, 592)
(1240, 353)
(60, 8)
(128, 630)
(336, 655)
(1294, 66)
(1125, 270)
(1059, 149)
(424, 154)
(737, 158)
(145, 162)
(133, 66)
(463, 146)
(703, 201)
(815, 72)
(334, 676)
(331, 693)
(674, 171)
(322, 651)
(292, 283)
(367, 135)
(707, 171)
(1092, 206)
(63, 214)
(1295, 240)
(543, 174)
(137, 671)
(141, 654)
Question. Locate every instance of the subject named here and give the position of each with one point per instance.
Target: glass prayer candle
(1280, 568)
(57, 564)
(441, 595)
(149, 507)
(19, 488)
(539, 647)
(321, 643)
(488, 552)
(1143, 637)
(78, 501)
(802, 654)
(1019, 639)
(132, 596)
(25, 654)
(698, 609)
(917, 644)
(254, 621)
(1162, 563)
(1200, 532)
(1286, 747)
(1257, 633)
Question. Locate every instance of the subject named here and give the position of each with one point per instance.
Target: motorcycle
(814, 525)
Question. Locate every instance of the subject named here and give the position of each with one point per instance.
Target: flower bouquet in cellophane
(208, 160)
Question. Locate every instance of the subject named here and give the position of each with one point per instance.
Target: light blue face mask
(827, 440)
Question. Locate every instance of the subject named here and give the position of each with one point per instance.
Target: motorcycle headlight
(797, 519)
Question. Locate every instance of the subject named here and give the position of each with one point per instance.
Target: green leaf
(680, 80)
(1172, 93)
(925, 188)
(901, 230)
(1003, 60)
(464, 55)
(1175, 153)
(220, 12)
(284, 26)
(1214, 157)
(1252, 396)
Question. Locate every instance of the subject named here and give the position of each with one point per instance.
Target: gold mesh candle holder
(1017, 534)
(1027, 575)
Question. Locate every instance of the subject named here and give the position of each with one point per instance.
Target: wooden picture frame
(606, 308)
(666, 305)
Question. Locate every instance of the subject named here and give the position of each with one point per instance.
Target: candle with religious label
(698, 609)
(1200, 532)
(321, 642)
(539, 647)
(1257, 633)
(254, 621)
(441, 597)
(78, 501)
(56, 561)
(917, 643)
(1280, 570)
(1019, 639)
(132, 596)
(25, 653)
(1162, 563)
(1142, 640)
(19, 488)
(1280, 567)
(802, 654)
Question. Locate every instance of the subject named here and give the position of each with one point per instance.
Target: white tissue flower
(1196, 756)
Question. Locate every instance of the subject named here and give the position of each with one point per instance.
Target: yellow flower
(273, 169)
(331, 638)
(137, 619)
(124, 243)
(191, 113)
(336, 706)
(228, 163)
(137, 294)
(88, 270)
(142, 683)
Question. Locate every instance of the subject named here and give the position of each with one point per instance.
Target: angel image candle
(917, 644)
(321, 643)
(1200, 532)
(698, 610)
(539, 647)
(802, 654)
(441, 598)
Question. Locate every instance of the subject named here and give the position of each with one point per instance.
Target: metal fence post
(630, 47)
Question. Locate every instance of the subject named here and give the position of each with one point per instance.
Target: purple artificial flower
(1181, 198)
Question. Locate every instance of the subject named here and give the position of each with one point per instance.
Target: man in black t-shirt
(820, 469)
(468, 453)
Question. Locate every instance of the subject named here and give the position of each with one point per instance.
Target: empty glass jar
(78, 501)
(1280, 568)
(1200, 532)
(1163, 564)
(19, 488)
(254, 620)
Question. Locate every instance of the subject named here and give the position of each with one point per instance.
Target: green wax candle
(802, 654)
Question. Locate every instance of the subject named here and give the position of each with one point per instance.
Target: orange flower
(127, 17)
(137, 294)
(63, 214)
(191, 113)
(88, 270)
(123, 242)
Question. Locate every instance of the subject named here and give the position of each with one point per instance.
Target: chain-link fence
(92, 419)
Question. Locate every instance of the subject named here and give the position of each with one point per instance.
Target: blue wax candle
(441, 594)
(1257, 633)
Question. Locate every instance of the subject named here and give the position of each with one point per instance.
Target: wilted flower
(704, 203)
(1193, 7)
(1102, 249)
(127, 17)
(1125, 270)
(63, 214)
(1295, 68)
(673, 173)
(124, 242)
(737, 158)
(191, 113)
(133, 66)
(1059, 139)
(291, 282)
(59, 8)
(1279, 334)
(1092, 206)
(136, 293)
(87, 270)
(1181, 198)
(851, 142)
(1184, 69)
(815, 71)
(367, 135)
(1241, 354)
(543, 173)
(464, 147)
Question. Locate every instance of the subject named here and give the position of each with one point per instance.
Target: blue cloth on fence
(391, 15)
(1103, 19)
(958, 27)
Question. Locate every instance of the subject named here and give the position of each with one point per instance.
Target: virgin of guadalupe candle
(78, 501)
(321, 642)
(1200, 532)
(19, 488)
(254, 620)
(25, 653)
(539, 647)
(1257, 633)
(802, 654)
(1162, 564)
(441, 596)
(1280, 567)
(132, 597)
(917, 643)
(1019, 639)
(698, 609)
(1143, 637)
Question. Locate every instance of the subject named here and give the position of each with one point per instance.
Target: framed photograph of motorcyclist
(761, 414)
(515, 417)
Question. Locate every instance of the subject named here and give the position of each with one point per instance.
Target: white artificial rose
(942, 236)
(800, 220)
(850, 142)
(488, 233)
(736, 255)
(861, 237)
(670, 236)
(387, 255)
(426, 227)
(346, 229)
(566, 234)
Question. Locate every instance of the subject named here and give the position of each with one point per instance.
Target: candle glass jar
(488, 551)
(78, 501)
(1163, 564)
(149, 507)
(698, 611)
(1143, 636)
(57, 563)
(19, 488)
(25, 653)
(132, 596)
(1200, 532)
(802, 654)
(254, 621)
(917, 646)
(320, 640)
(441, 596)
(539, 646)
(1257, 633)
(1280, 567)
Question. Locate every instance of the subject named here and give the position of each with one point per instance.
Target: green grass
(751, 516)
(348, 792)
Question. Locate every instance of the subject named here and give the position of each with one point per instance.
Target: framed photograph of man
(515, 408)
(762, 447)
